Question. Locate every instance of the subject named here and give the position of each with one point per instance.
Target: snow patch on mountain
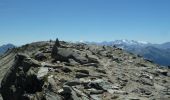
(130, 42)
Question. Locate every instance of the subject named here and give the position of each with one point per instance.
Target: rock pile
(83, 72)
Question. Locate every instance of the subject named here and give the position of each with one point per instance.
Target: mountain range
(158, 53)
(5, 47)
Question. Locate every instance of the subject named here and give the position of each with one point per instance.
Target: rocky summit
(75, 71)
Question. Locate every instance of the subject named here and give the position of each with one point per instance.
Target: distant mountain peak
(130, 42)
(5, 47)
(158, 53)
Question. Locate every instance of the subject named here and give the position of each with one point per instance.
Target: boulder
(68, 93)
(163, 72)
(40, 56)
(92, 58)
(116, 59)
(20, 79)
(43, 71)
(64, 54)
(80, 58)
(146, 81)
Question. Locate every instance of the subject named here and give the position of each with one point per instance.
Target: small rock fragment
(81, 75)
(43, 71)
(73, 83)
(66, 69)
(83, 71)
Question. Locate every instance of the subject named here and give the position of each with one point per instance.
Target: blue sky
(25, 21)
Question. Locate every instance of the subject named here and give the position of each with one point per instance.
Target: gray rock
(44, 64)
(133, 98)
(81, 75)
(73, 83)
(100, 85)
(67, 89)
(66, 69)
(37, 96)
(20, 75)
(81, 94)
(111, 91)
(64, 54)
(28, 62)
(52, 85)
(96, 97)
(94, 91)
(116, 59)
(91, 64)
(101, 71)
(69, 94)
(141, 65)
(52, 96)
(80, 72)
(92, 59)
(83, 71)
(166, 91)
(43, 71)
(142, 91)
(72, 62)
(48, 50)
(162, 71)
(28, 97)
(146, 81)
(40, 56)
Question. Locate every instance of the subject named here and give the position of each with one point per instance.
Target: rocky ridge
(68, 71)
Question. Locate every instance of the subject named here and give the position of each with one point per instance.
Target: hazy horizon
(29, 21)
(80, 41)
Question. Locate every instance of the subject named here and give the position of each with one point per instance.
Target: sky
(26, 21)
